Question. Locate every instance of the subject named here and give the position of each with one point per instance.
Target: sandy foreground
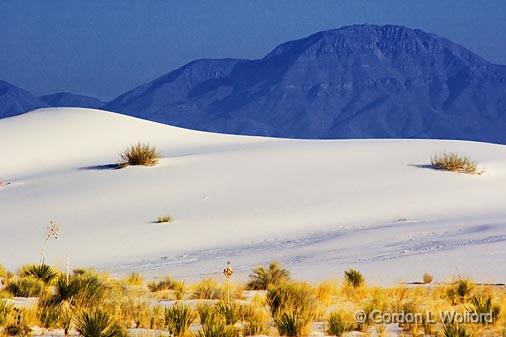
(319, 207)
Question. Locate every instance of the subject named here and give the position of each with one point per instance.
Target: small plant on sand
(263, 277)
(354, 278)
(97, 323)
(453, 162)
(178, 319)
(164, 219)
(141, 154)
(427, 278)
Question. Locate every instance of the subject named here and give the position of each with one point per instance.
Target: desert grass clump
(263, 277)
(164, 219)
(354, 278)
(460, 291)
(134, 279)
(25, 287)
(178, 319)
(427, 278)
(98, 323)
(453, 162)
(140, 154)
(5, 311)
(339, 323)
(208, 289)
(293, 307)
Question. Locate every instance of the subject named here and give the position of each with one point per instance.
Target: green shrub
(354, 278)
(263, 277)
(25, 287)
(453, 162)
(98, 324)
(178, 319)
(139, 154)
(230, 312)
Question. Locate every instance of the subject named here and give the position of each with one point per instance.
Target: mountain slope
(66, 99)
(14, 100)
(359, 81)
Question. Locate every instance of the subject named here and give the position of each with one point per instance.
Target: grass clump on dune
(164, 219)
(140, 154)
(454, 162)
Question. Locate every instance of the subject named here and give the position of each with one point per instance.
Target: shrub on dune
(41, 272)
(25, 287)
(164, 219)
(207, 289)
(427, 278)
(354, 278)
(140, 154)
(453, 162)
(263, 277)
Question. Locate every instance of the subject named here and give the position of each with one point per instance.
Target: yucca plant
(263, 277)
(139, 154)
(165, 283)
(41, 272)
(454, 330)
(134, 279)
(481, 305)
(292, 324)
(98, 324)
(218, 329)
(178, 319)
(354, 278)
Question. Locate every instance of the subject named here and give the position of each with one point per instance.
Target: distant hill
(66, 99)
(361, 81)
(14, 100)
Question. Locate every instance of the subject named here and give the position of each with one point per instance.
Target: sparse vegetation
(427, 278)
(454, 162)
(164, 219)
(263, 277)
(140, 154)
(95, 304)
(354, 278)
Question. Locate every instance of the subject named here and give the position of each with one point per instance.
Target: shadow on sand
(101, 167)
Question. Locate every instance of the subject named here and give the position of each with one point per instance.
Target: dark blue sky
(103, 48)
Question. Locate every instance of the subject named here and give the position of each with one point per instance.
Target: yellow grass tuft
(141, 154)
(454, 162)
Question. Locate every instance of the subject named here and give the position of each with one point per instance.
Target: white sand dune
(318, 206)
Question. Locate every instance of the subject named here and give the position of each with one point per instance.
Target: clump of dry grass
(142, 154)
(454, 162)
(164, 219)
(427, 278)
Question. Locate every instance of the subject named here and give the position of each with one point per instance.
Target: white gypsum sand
(318, 206)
